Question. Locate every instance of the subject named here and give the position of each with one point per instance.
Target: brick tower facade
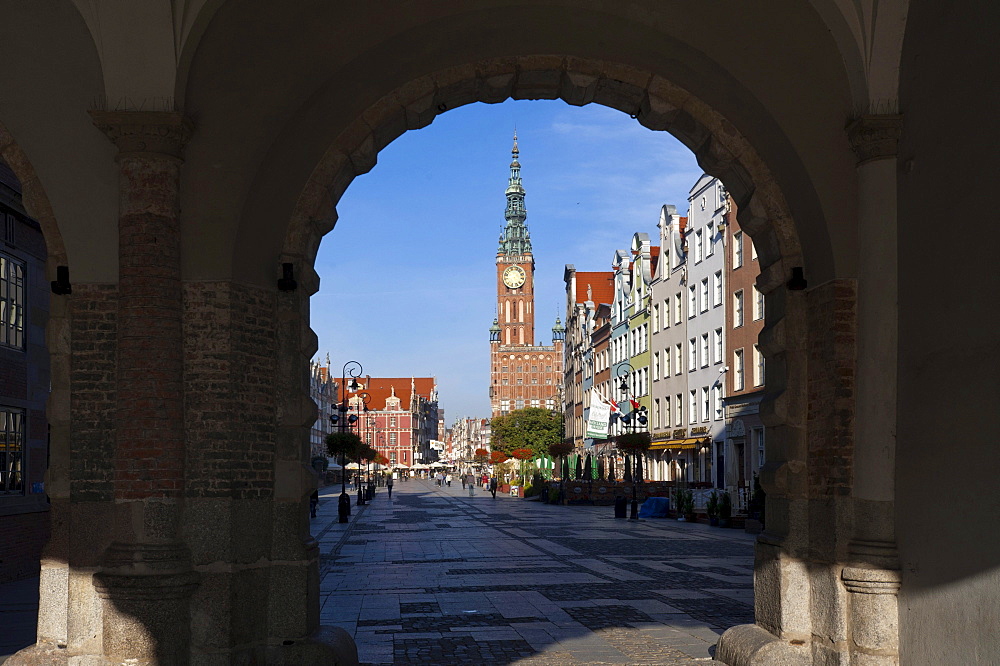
(522, 374)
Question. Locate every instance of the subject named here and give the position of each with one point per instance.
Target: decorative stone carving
(875, 137)
(151, 134)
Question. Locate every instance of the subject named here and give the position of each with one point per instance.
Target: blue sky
(408, 274)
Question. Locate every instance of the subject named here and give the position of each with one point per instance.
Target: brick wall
(229, 380)
(19, 556)
(832, 315)
(93, 390)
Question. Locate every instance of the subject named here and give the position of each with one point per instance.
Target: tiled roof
(381, 388)
(602, 286)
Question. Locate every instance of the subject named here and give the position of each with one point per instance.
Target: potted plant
(725, 510)
(680, 502)
(712, 508)
(689, 507)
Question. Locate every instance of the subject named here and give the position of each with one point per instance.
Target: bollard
(620, 507)
(361, 498)
(635, 509)
(344, 507)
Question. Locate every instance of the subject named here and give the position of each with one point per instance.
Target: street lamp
(633, 420)
(353, 370)
(360, 402)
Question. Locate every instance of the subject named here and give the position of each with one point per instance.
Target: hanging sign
(598, 418)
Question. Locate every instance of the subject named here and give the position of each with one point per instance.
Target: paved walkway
(433, 576)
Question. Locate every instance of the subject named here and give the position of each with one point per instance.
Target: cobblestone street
(434, 576)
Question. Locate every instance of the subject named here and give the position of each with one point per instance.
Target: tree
(343, 445)
(481, 456)
(532, 428)
(381, 460)
(498, 457)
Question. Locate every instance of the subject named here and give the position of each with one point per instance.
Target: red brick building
(401, 417)
(745, 377)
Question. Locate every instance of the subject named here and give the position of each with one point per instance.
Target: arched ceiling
(270, 86)
(778, 77)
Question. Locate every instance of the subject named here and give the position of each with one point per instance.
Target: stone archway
(721, 151)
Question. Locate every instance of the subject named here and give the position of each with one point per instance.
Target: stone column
(873, 578)
(145, 576)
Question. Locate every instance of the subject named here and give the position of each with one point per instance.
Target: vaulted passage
(178, 158)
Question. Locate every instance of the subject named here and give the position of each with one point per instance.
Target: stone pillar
(145, 577)
(873, 577)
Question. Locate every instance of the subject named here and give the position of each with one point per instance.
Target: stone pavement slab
(434, 576)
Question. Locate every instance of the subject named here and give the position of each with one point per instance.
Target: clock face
(513, 277)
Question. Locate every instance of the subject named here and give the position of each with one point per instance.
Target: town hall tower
(521, 373)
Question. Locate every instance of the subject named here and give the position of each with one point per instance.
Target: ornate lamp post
(633, 420)
(360, 403)
(343, 422)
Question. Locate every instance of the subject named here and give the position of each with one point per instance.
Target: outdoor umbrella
(600, 469)
(628, 468)
(565, 468)
(611, 469)
(638, 468)
(579, 467)
(588, 469)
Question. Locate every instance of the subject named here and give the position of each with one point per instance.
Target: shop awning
(686, 443)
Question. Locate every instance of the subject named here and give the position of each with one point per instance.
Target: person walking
(447, 479)
(388, 486)
(313, 503)
(493, 487)
(472, 485)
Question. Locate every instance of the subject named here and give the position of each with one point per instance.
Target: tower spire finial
(515, 240)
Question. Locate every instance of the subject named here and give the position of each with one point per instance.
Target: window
(738, 384)
(692, 301)
(753, 251)
(692, 355)
(704, 350)
(392, 419)
(698, 248)
(678, 308)
(392, 439)
(666, 412)
(11, 451)
(738, 309)
(656, 316)
(758, 303)
(519, 404)
(704, 404)
(503, 368)
(666, 363)
(678, 355)
(535, 403)
(678, 409)
(656, 366)
(709, 235)
(11, 302)
(717, 401)
(704, 295)
(693, 407)
(392, 457)
(757, 437)
(666, 312)
(717, 346)
(758, 374)
(717, 289)
(656, 413)
(737, 249)
(534, 380)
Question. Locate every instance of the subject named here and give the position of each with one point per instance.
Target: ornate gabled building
(522, 374)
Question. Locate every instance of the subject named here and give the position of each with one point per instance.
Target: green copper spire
(515, 239)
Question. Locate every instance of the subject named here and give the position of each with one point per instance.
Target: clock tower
(522, 374)
(515, 266)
